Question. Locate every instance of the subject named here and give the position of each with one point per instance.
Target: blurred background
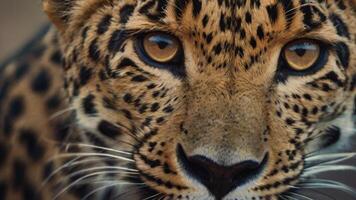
(19, 21)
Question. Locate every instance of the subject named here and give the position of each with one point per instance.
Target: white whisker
(61, 112)
(108, 186)
(322, 183)
(153, 196)
(66, 155)
(79, 180)
(327, 159)
(328, 168)
(99, 147)
(300, 195)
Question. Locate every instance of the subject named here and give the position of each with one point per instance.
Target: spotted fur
(83, 116)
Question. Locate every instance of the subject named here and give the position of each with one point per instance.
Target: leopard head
(211, 99)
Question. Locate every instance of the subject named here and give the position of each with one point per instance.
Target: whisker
(289, 197)
(328, 168)
(322, 183)
(101, 148)
(108, 186)
(283, 197)
(79, 180)
(61, 112)
(65, 165)
(153, 196)
(130, 192)
(300, 195)
(66, 155)
(327, 159)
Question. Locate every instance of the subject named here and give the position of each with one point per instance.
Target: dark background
(21, 19)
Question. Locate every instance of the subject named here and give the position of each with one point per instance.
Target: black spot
(307, 97)
(289, 11)
(290, 121)
(155, 107)
(4, 88)
(16, 107)
(85, 74)
(33, 148)
(41, 82)
(341, 4)
(21, 70)
(18, 173)
(94, 52)
(104, 24)
(159, 12)
(343, 53)
(53, 102)
(248, 17)
(125, 62)
(310, 13)
(30, 193)
(260, 32)
(253, 42)
(4, 150)
(168, 109)
(160, 120)
(108, 129)
(139, 78)
(8, 125)
(126, 13)
(340, 26)
(272, 11)
(217, 49)
(128, 98)
(127, 113)
(47, 170)
(180, 6)
(196, 7)
(109, 103)
(205, 20)
(57, 58)
(116, 41)
(88, 105)
(255, 3)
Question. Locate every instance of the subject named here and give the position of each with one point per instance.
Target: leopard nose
(220, 179)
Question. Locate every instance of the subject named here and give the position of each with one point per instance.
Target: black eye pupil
(300, 52)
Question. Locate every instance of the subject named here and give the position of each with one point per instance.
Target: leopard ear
(58, 11)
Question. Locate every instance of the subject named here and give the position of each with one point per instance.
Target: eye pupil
(300, 52)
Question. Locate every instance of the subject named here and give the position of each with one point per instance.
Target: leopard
(181, 99)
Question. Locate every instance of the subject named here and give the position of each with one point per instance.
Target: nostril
(219, 179)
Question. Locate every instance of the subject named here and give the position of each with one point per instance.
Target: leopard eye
(161, 47)
(161, 50)
(302, 54)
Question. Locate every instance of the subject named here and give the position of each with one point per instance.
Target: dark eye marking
(340, 26)
(343, 52)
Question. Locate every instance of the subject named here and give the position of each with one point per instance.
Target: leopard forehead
(227, 93)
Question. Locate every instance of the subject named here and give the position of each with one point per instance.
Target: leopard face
(211, 99)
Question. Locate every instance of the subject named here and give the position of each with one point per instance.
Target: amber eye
(161, 47)
(302, 54)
